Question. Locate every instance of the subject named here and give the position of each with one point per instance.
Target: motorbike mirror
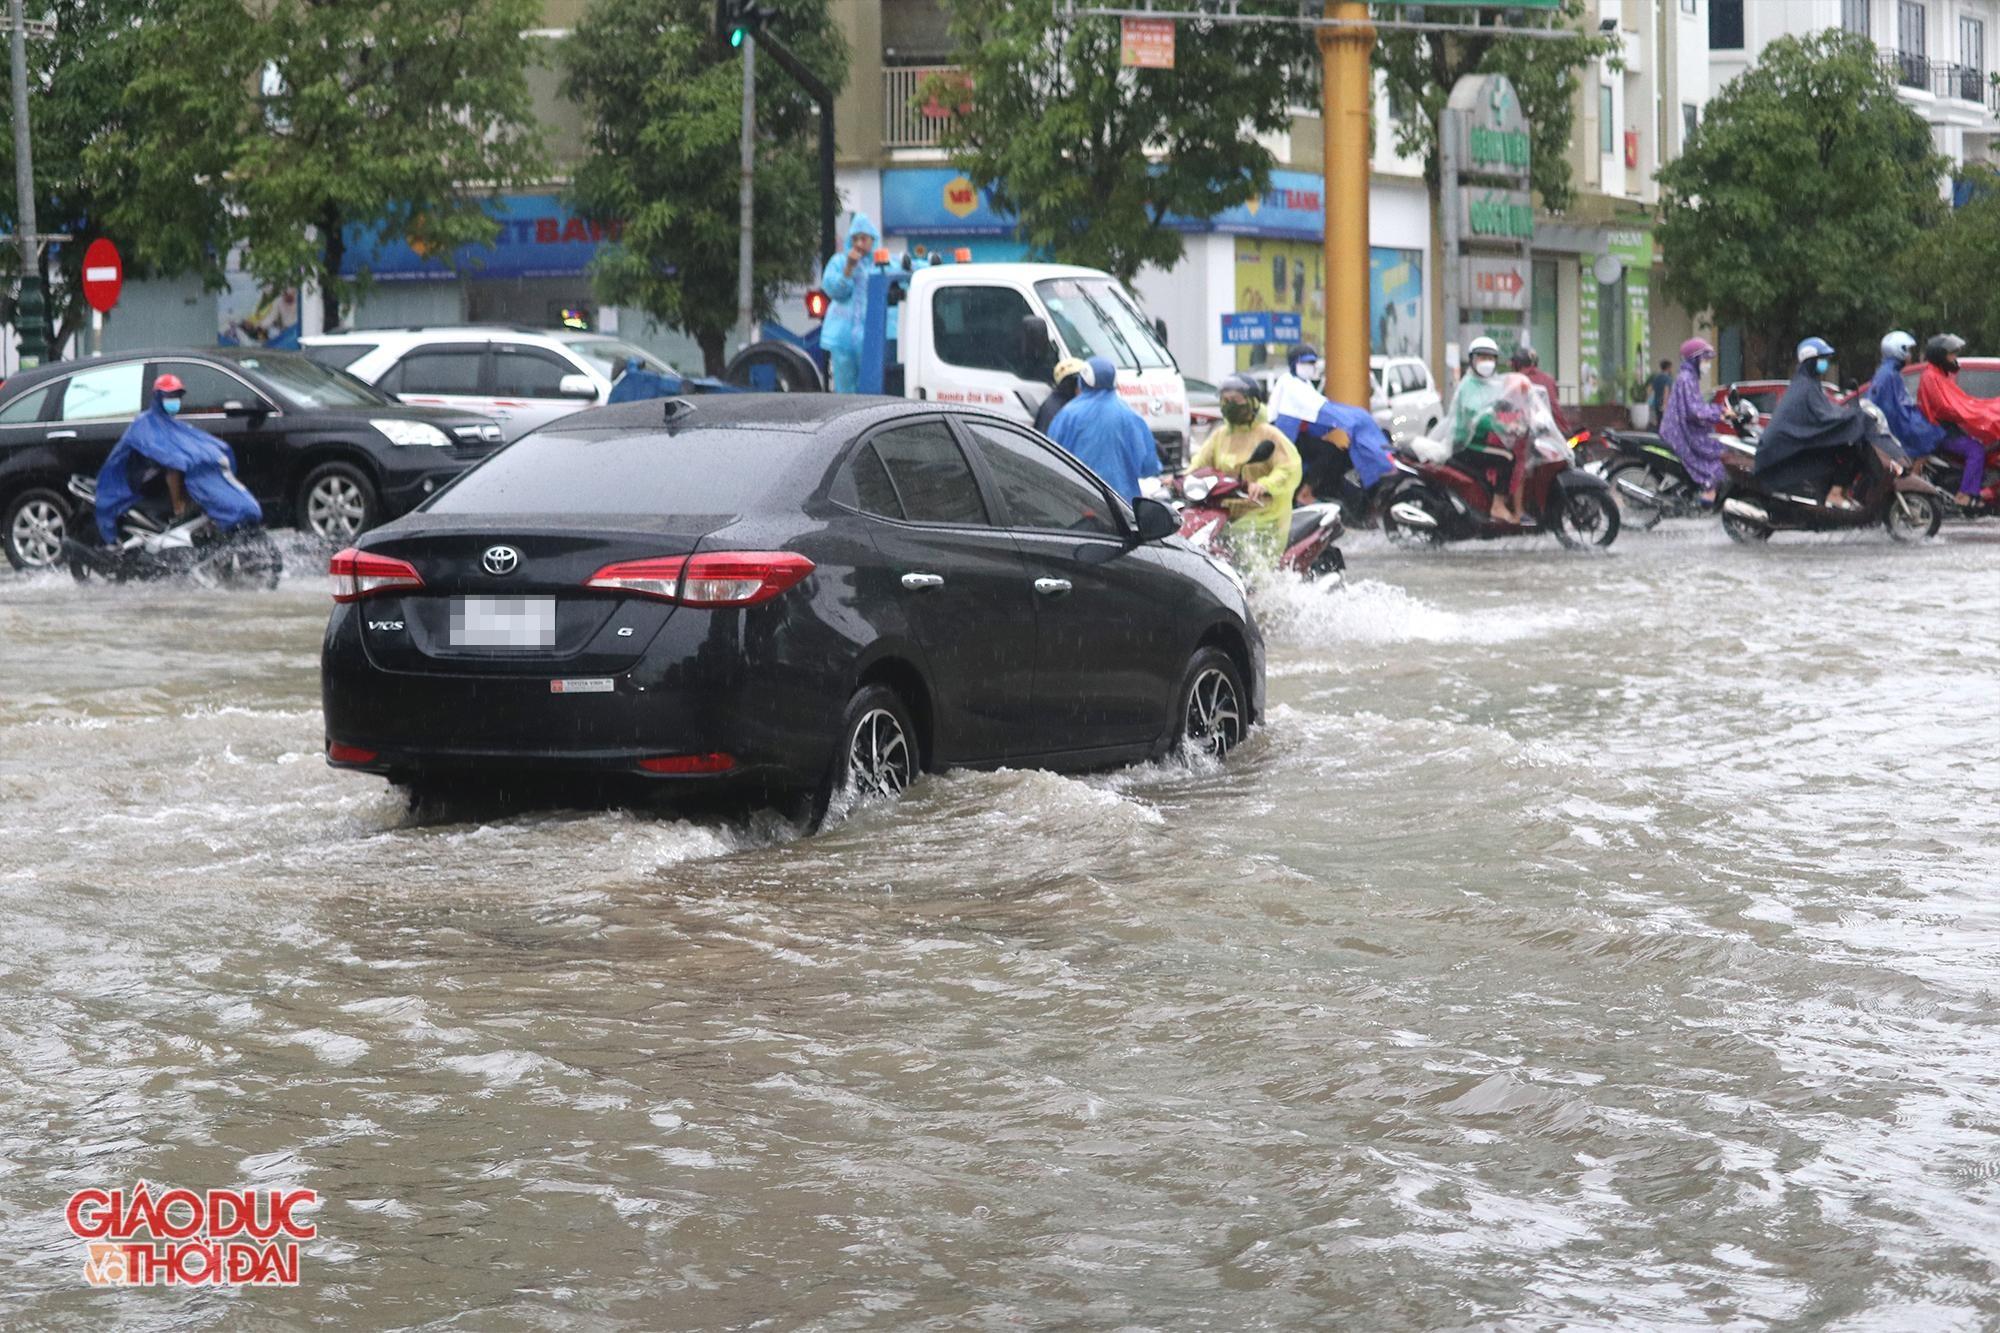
(1262, 453)
(1156, 521)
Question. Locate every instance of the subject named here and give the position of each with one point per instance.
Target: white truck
(990, 335)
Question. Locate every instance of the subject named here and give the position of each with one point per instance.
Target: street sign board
(103, 275)
(1496, 284)
(1495, 215)
(1146, 43)
(1493, 132)
(1256, 328)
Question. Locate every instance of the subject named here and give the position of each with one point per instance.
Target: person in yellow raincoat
(1260, 522)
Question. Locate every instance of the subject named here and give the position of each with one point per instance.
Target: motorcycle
(1649, 479)
(1437, 498)
(1942, 471)
(1900, 498)
(1309, 551)
(153, 546)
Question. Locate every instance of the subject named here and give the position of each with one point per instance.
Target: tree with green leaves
(665, 97)
(132, 140)
(1941, 273)
(397, 115)
(1095, 160)
(1792, 201)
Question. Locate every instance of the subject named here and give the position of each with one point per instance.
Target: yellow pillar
(1348, 98)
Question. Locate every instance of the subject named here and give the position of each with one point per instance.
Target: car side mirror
(1035, 345)
(576, 386)
(1160, 329)
(1156, 519)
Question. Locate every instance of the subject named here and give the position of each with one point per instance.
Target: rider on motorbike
(1259, 523)
(1330, 436)
(1813, 445)
(1688, 423)
(1485, 438)
(1941, 399)
(196, 465)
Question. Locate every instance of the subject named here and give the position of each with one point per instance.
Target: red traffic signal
(817, 302)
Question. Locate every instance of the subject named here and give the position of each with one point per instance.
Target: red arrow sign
(103, 275)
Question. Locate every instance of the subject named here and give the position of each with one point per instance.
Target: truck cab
(991, 334)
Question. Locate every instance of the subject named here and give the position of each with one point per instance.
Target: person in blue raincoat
(1108, 437)
(1331, 437)
(198, 467)
(840, 331)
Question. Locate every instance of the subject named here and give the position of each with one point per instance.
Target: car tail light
(712, 762)
(724, 578)
(357, 574)
(348, 754)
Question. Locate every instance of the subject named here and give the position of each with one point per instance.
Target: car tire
(877, 756)
(33, 524)
(1211, 708)
(336, 503)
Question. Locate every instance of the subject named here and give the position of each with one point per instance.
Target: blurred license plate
(503, 622)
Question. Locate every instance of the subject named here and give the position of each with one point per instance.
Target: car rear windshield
(690, 471)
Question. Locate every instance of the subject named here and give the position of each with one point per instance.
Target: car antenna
(677, 407)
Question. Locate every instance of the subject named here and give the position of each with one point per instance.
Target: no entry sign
(103, 275)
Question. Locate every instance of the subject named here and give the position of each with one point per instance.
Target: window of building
(1607, 127)
(1725, 25)
(1972, 46)
(1910, 28)
(1690, 118)
(1689, 6)
(1854, 16)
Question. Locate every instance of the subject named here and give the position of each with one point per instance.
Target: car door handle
(918, 582)
(1052, 587)
(61, 435)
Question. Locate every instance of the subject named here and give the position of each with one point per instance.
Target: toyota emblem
(500, 559)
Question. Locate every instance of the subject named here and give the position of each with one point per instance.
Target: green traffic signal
(735, 37)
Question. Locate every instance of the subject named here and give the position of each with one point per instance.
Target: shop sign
(1146, 43)
(538, 238)
(1496, 284)
(1496, 215)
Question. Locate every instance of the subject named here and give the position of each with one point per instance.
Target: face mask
(1484, 366)
(1239, 414)
(1310, 371)
(1819, 366)
(171, 406)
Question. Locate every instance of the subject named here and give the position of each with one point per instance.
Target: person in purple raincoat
(1689, 421)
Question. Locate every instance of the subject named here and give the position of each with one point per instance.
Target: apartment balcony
(910, 120)
(1940, 79)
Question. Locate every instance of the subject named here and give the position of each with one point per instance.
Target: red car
(1764, 396)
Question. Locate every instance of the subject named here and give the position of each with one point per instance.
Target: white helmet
(1482, 347)
(1898, 346)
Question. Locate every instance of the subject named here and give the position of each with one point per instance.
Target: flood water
(1583, 942)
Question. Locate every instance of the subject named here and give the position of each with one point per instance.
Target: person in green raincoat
(1475, 430)
(1260, 522)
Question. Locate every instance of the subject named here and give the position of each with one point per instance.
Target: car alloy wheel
(37, 533)
(335, 508)
(880, 761)
(1214, 721)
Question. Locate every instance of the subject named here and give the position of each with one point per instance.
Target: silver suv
(522, 378)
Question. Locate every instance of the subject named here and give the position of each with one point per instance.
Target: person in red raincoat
(1940, 398)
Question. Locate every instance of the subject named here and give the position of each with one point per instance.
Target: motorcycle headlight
(412, 432)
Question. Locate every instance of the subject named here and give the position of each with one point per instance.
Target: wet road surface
(1594, 942)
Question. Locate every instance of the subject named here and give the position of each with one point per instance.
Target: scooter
(1649, 479)
(1436, 500)
(1309, 546)
(1942, 471)
(1899, 498)
(152, 546)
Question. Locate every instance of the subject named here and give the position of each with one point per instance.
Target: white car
(522, 378)
(1405, 401)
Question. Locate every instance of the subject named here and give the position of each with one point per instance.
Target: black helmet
(1242, 384)
(1942, 351)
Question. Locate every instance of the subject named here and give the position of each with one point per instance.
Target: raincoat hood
(862, 225)
(1099, 375)
(1108, 437)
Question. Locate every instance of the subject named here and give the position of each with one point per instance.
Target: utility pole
(745, 284)
(1347, 92)
(30, 311)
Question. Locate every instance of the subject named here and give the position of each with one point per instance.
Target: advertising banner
(539, 238)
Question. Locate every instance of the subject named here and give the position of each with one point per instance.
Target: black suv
(317, 447)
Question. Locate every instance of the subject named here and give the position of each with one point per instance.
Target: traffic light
(737, 19)
(816, 303)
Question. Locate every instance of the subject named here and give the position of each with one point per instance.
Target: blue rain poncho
(1104, 434)
(1913, 430)
(840, 331)
(1296, 406)
(156, 439)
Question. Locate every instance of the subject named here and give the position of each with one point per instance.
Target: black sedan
(318, 448)
(792, 593)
